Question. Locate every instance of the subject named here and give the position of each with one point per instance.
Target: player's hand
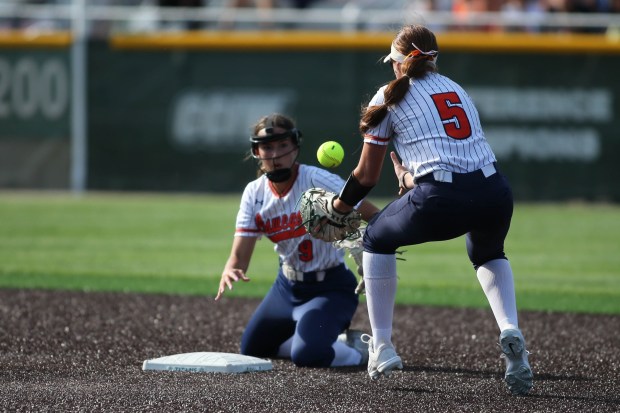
(400, 171)
(228, 278)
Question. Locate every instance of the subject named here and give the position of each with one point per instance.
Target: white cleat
(382, 361)
(519, 377)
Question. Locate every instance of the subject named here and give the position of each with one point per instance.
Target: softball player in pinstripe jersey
(312, 300)
(450, 186)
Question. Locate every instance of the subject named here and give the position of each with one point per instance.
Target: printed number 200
(455, 121)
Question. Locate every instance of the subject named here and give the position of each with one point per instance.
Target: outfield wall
(173, 111)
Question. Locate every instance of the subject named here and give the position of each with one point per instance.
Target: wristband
(353, 192)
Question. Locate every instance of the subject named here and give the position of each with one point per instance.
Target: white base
(208, 362)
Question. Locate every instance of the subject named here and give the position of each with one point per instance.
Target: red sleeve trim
(247, 231)
(376, 140)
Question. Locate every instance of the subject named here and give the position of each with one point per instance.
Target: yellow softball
(330, 154)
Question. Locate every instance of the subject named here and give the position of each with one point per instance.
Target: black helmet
(271, 122)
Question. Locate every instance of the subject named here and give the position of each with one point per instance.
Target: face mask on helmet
(282, 174)
(279, 175)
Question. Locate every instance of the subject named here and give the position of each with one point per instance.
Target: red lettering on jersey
(281, 228)
(260, 223)
(284, 221)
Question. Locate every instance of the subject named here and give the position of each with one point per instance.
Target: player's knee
(255, 349)
(376, 243)
(247, 351)
(312, 357)
(482, 258)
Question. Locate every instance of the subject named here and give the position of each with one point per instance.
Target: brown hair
(416, 66)
(273, 120)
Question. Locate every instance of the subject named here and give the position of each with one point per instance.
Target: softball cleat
(518, 377)
(382, 361)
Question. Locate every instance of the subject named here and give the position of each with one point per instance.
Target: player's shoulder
(255, 185)
(438, 78)
(382, 89)
(379, 97)
(306, 169)
(312, 171)
(315, 177)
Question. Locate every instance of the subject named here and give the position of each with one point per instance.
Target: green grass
(565, 256)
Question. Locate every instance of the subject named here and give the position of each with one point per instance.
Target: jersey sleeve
(380, 134)
(246, 217)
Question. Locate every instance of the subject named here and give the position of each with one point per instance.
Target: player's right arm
(237, 263)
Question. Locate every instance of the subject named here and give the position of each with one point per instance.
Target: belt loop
(488, 170)
(442, 176)
(292, 274)
(309, 277)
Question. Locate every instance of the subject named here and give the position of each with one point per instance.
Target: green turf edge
(437, 296)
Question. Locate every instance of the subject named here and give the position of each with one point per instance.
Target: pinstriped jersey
(265, 212)
(435, 127)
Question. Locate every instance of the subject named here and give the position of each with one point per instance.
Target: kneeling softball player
(306, 314)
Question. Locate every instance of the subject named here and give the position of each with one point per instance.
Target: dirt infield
(83, 352)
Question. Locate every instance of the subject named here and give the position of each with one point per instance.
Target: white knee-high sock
(380, 279)
(497, 282)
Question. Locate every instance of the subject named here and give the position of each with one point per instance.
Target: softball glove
(322, 221)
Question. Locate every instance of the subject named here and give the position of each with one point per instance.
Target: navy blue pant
(315, 312)
(473, 205)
